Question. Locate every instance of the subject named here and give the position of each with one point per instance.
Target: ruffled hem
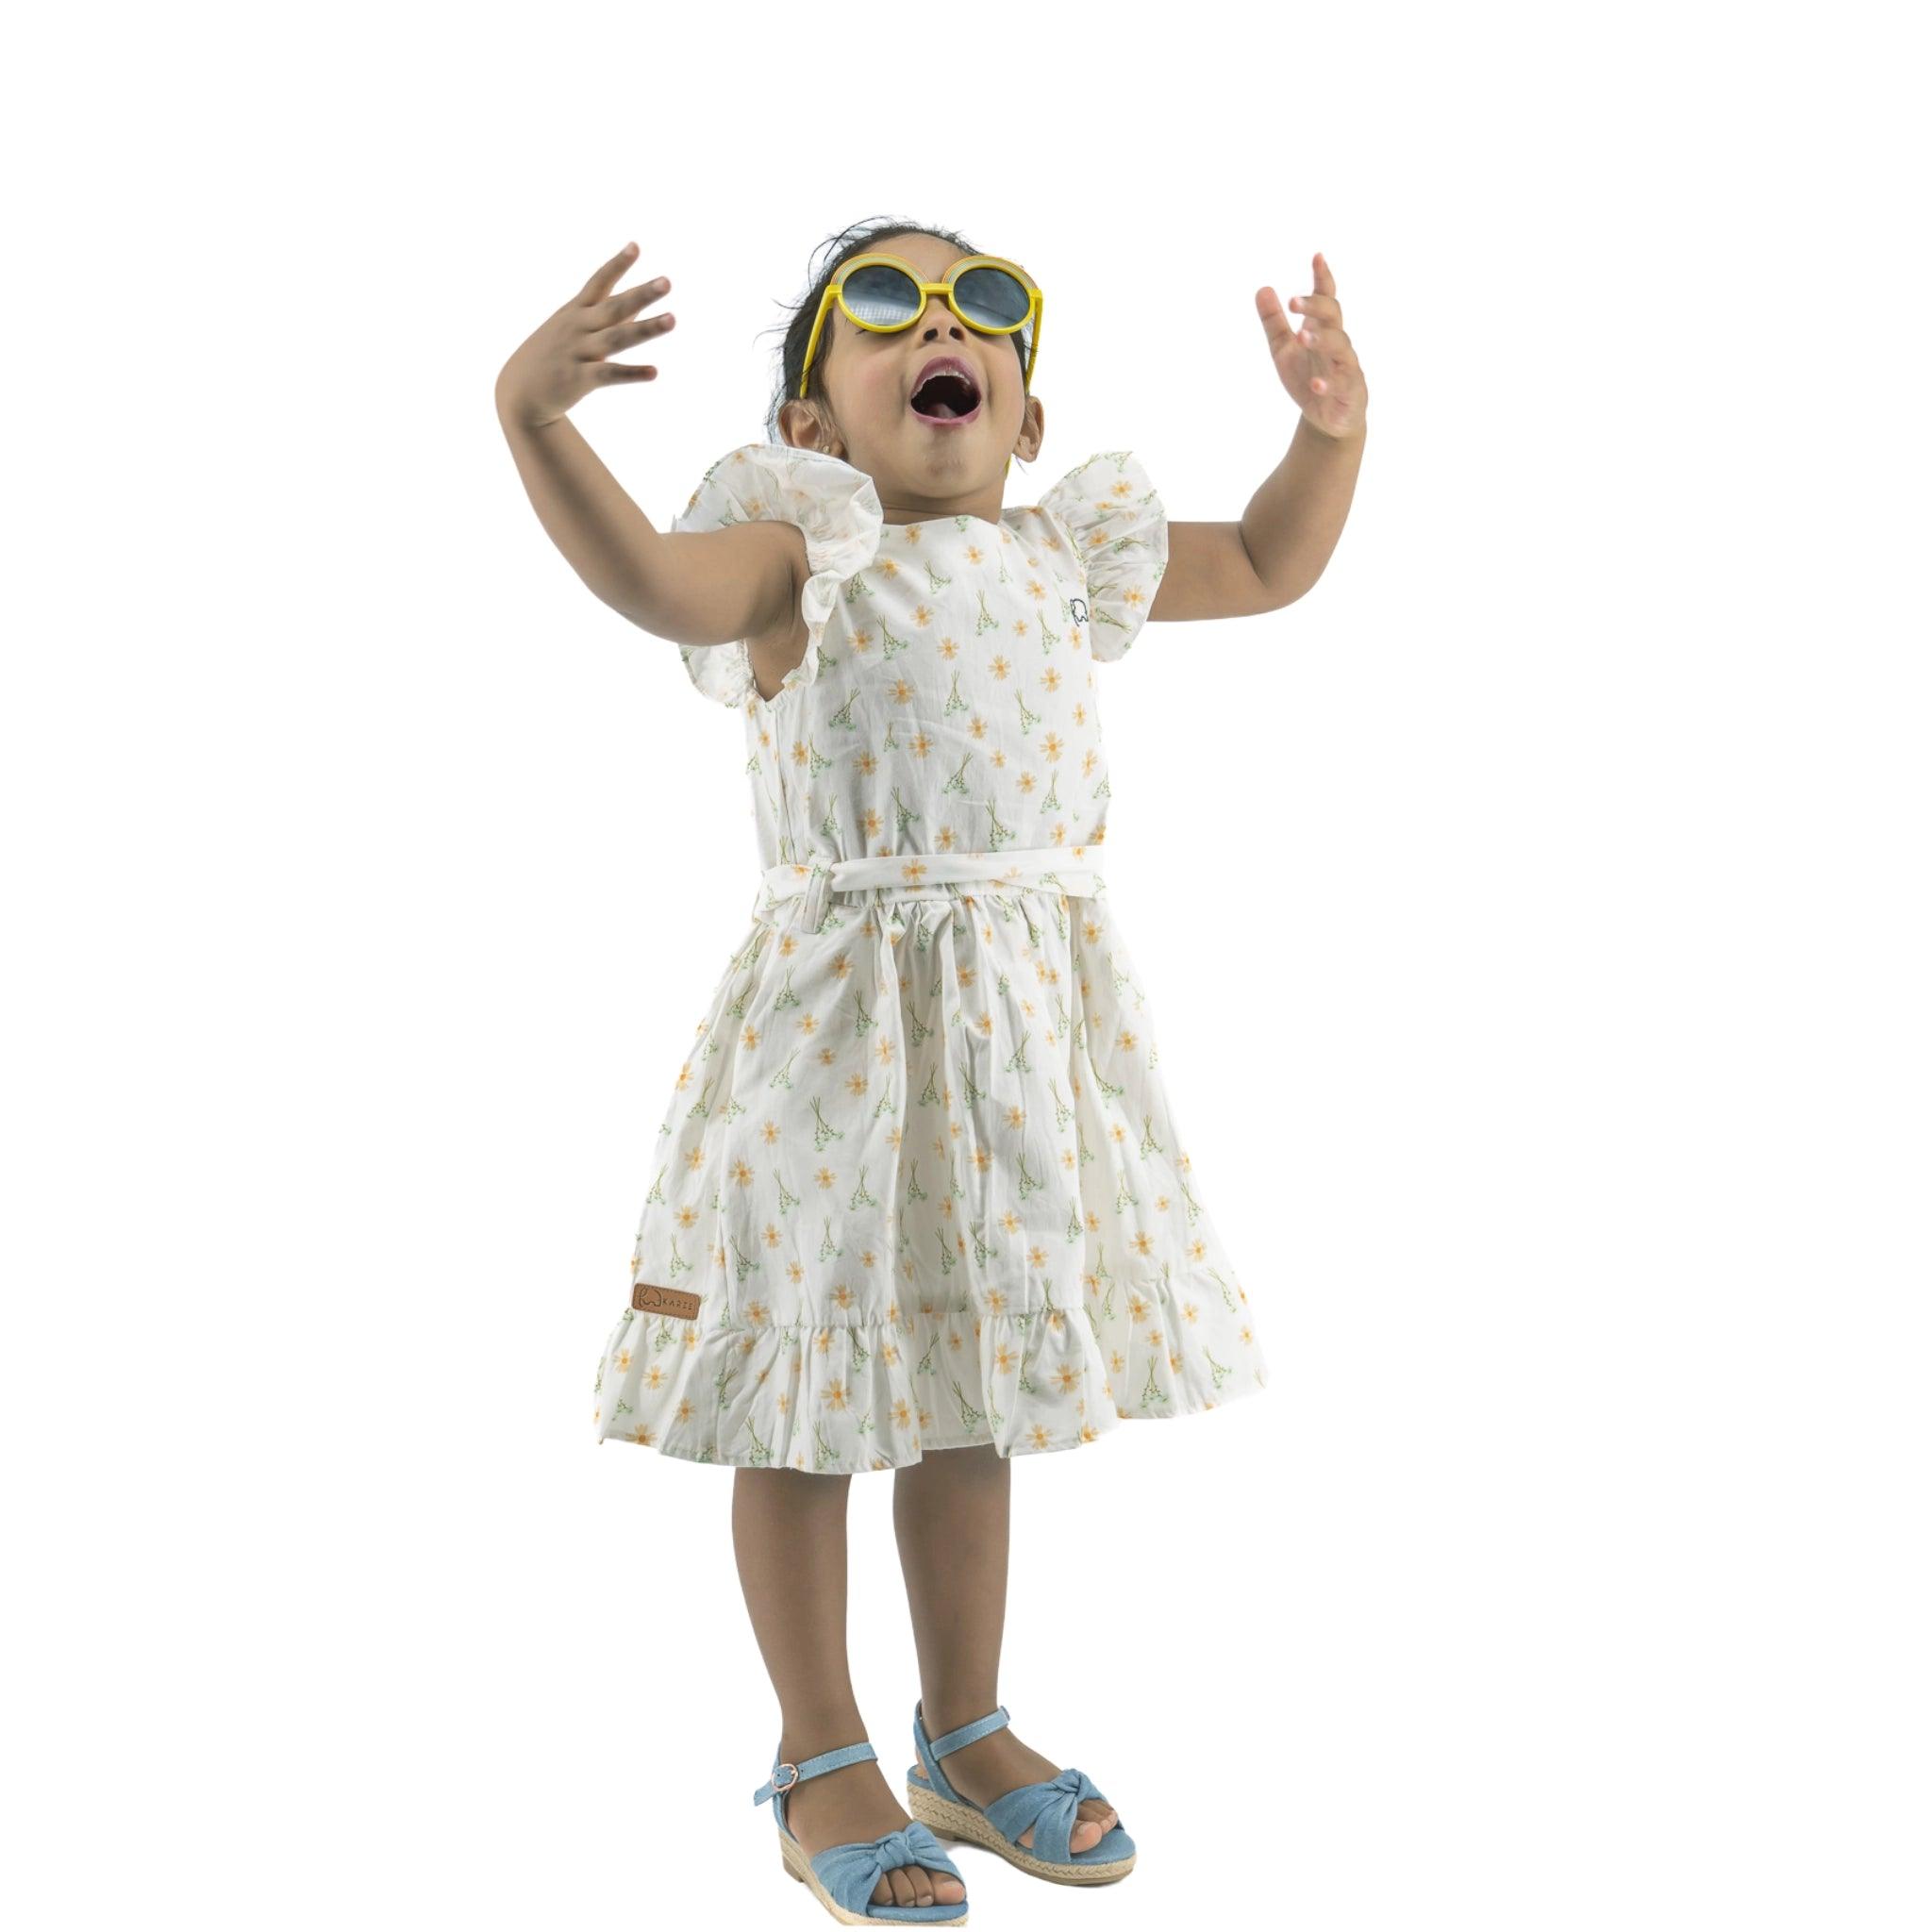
(845, 1398)
(838, 508)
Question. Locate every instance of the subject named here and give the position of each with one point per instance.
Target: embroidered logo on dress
(653, 1300)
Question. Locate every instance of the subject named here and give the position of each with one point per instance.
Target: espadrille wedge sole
(1050, 1807)
(843, 1877)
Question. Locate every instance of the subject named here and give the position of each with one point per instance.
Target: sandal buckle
(788, 1782)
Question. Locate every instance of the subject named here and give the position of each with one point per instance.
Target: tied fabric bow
(1049, 1808)
(852, 1872)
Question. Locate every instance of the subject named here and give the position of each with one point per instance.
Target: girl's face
(861, 410)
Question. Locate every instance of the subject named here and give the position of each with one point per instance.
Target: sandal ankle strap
(966, 1734)
(825, 1760)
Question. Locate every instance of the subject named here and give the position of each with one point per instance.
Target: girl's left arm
(1290, 530)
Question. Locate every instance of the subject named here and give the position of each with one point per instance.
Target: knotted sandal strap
(1050, 1807)
(851, 1873)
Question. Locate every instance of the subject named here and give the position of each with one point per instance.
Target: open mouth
(948, 395)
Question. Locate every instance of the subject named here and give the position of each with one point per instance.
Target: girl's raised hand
(1317, 365)
(565, 357)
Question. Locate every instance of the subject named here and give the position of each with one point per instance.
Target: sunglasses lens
(990, 298)
(882, 295)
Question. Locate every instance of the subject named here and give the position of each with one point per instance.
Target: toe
(1085, 1834)
(913, 1884)
(1097, 1818)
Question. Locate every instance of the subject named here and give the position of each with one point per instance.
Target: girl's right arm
(708, 587)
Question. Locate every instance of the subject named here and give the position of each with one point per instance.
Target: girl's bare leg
(952, 1512)
(789, 1531)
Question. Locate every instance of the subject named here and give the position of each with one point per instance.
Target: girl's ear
(806, 425)
(1032, 430)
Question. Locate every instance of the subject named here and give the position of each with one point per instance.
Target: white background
(1535, 917)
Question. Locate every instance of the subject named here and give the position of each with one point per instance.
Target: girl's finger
(604, 279)
(1325, 306)
(623, 371)
(627, 302)
(1279, 327)
(601, 342)
(1325, 282)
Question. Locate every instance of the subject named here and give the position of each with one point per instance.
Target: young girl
(918, 1201)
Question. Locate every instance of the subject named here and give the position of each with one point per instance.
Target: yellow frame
(835, 292)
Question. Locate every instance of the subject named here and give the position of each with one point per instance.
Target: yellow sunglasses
(882, 292)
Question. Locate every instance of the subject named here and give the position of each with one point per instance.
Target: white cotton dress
(917, 1185)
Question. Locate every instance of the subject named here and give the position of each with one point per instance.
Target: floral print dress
(917, 1185)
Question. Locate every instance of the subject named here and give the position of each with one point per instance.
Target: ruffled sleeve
(1117, 525)
(835, 504)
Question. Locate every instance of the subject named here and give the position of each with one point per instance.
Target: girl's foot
(992, 1766)
(851, 1805)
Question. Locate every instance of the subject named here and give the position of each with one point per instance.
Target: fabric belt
(926, 875)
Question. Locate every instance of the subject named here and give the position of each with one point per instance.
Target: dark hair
(857, 239)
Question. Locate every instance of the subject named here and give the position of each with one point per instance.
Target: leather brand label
(652, 1300)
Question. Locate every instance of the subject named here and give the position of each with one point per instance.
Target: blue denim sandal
(1050, 1807)
(842, 1878)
